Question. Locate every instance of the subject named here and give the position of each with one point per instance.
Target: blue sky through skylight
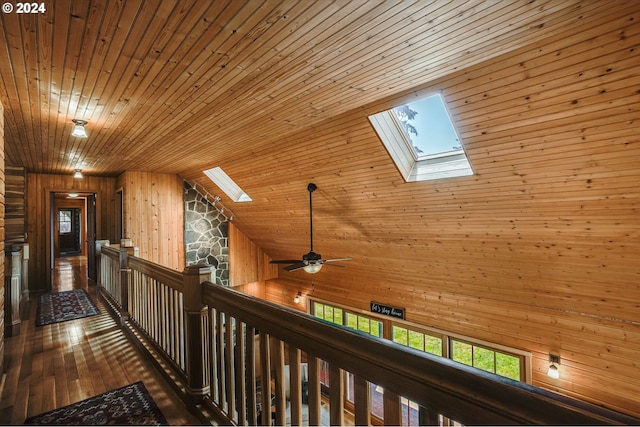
(435, 133)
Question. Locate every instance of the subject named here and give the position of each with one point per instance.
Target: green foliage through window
(418, 340)
(486, 359)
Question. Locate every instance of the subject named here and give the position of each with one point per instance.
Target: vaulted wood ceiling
(545, 96)
(537, 250)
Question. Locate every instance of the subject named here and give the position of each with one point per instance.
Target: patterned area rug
(57, 307)
(128, 405)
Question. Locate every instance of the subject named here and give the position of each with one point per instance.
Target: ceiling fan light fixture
(78, 130)
(312, 268)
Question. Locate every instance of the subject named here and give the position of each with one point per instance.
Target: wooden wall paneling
(153, 206)
(247, 262)
(39, 187)
(15, 200)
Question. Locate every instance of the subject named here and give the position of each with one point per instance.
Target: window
(490, 360)
(364, 324)
(418, 340)
(64, 221)
(328, 312)
(228, 185)
(421, 139)
(507, 362)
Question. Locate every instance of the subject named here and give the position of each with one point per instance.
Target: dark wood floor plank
(61, 386)
(48, 394)
(55, 365)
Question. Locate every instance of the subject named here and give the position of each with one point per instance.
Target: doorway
(71, 237)
(69, 232)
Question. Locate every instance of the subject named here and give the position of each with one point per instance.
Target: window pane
(318, 310)
(433, 345)
(427, 124)
(400, 335)
(337, 316)
(462, 352)
(328, 313)
(508, 366)
(64, 221)
(483, 359)
(363, 324)
(377, 400)
(416, 340)
(352, 321)
(376, 328)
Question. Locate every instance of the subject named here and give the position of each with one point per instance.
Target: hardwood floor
(70, 272)
(55, 365)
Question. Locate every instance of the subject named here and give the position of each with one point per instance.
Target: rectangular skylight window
(421, 139)
(226, 184)
(427, 124)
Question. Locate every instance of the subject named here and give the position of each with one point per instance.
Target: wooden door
(91, 237)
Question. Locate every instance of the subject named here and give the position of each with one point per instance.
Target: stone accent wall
(206, 234)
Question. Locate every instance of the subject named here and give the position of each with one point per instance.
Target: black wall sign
(387, 310)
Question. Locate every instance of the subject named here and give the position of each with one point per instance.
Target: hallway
(51, 366)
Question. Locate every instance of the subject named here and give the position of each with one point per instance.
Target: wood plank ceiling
(545, 96)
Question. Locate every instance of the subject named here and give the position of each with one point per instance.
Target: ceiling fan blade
(297, 266)
(284, 261)
(336, 259)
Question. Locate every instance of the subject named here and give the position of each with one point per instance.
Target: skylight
(226, 184)
(422, 140)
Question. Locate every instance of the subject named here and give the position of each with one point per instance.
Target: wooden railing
(16, 286)
(246, 360)
(109, 270)
(438, 385)
(151, 298)
(156, 306)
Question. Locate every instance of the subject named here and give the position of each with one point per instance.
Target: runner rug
(128, 405)
(57, 307)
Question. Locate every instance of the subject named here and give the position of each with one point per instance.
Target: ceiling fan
(311, 262)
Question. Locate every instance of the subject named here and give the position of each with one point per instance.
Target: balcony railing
(250, 362)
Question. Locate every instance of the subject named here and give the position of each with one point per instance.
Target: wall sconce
(296, 299)
(77, 174)
(553, 371)
(78, 130)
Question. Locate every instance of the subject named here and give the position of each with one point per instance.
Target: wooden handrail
(465, 394)
(167, 276)
(111, 252)
(218, 336)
